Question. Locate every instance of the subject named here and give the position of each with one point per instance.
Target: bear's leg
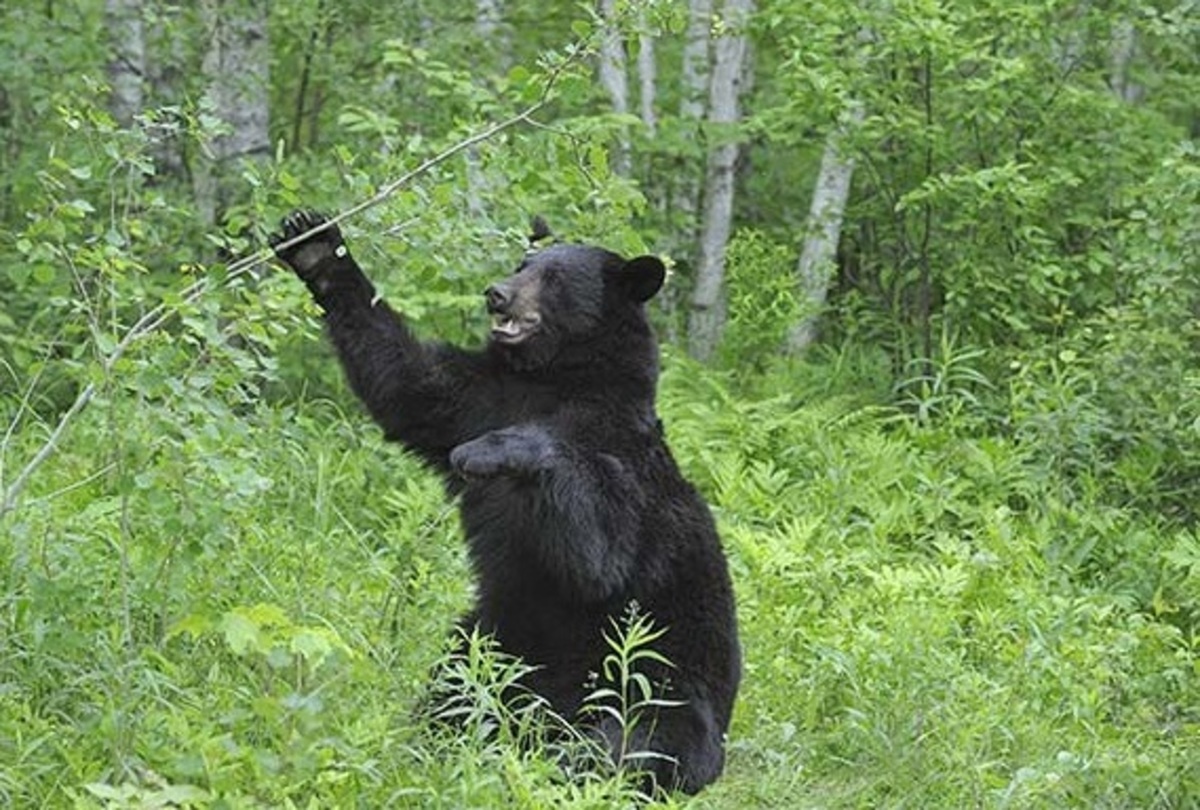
(687, 749)
(676, 748)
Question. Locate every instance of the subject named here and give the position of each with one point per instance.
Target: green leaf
(313, 646)
(19, 274)
(78, 208)
(241, 633)
(122, 794)
(266, 614)
(194, 624)
(176, 796)
(44, 274)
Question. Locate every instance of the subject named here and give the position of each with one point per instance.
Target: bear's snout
(499, 297)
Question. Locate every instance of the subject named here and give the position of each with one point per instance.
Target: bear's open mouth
(509, 329)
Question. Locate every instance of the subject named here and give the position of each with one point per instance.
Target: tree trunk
(1121, 52)
(708, 306)
(236, 66)
(127, 58)
(489, 15)
(823, 230)
(686, 178)
(614, 80)
(695, 70)
(695, 59)
(647, 77)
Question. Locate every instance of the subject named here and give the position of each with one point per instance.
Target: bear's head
(571, 304)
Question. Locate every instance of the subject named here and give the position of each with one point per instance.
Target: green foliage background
(963, 528)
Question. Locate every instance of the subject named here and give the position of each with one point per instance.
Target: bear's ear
(539, 231)
(642, 277)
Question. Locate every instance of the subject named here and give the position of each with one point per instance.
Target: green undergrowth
(240, 606)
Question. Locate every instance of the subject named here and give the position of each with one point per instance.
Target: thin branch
(14, 490)
(24, 405)
(74, 485)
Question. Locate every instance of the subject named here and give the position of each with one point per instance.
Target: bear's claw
(306, 256)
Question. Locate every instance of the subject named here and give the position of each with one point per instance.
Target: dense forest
(931, 350)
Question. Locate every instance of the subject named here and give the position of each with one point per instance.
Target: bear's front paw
(511, 451)
(306, 257)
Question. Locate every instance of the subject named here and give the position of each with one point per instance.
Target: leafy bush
(762, 300)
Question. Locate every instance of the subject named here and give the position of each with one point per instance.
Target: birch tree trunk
(647, 76)
(695, 59)
(127, 59)
(236, 66)
(487, 21)
(614, 80)
(687, 178)
(1122, 50)
(823, 230)
(708, 305)
(694, 71)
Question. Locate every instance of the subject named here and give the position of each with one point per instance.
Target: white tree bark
(1122, 50)
(694, 70)
(487, 19)
(695, 59)
(824, 229)
(724, 109)
(491, 30)
(127, 59)
(236, 66)
(647, 77)
(614, 80)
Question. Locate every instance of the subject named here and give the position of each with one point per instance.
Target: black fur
(572, 504)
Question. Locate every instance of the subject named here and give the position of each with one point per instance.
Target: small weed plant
(629, 690)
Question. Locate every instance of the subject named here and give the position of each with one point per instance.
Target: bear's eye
(553, 277)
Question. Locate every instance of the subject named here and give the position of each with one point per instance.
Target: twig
(159, 314)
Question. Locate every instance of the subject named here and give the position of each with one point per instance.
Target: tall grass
(244, 612)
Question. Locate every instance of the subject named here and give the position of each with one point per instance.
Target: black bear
(572, 504)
